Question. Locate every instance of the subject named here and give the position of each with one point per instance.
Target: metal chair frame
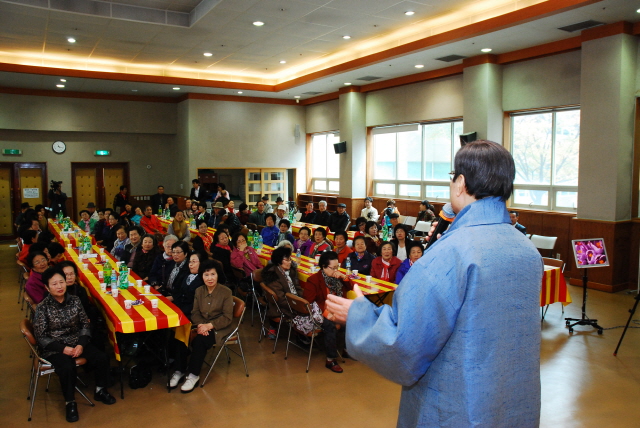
(274, 300)
(232, 338)
(301, 306)
(42, 367)
(23, 276)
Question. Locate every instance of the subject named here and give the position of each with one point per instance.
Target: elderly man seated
(258, 217)
(515, 216)
(339, 220)
(149, 222)
(322, 216)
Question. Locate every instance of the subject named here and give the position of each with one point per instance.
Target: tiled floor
(583, 384)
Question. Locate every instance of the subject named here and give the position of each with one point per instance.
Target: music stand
(588, 253)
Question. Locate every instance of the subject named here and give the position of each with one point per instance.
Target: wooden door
(6, 215)
(85, 189)
(113, 179)
(31, 185)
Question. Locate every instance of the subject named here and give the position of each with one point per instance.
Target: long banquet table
(554, 288)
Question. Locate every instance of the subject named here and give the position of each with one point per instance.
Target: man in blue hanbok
(463, 334)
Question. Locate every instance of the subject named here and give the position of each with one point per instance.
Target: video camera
(55, 185)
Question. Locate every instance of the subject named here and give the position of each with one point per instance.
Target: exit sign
(11, 152)
(103, 152)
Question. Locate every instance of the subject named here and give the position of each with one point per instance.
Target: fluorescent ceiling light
(71, 40)
(419, 66)
(347, 83)
(258, 23)
(283, 62)
(239, 92)
(296, 96)
(63, 80)
(176, 89)
(409, 13)
(486, 50)
(346, 37)
(60, 86)
(207, 54)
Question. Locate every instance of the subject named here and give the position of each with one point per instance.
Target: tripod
(584, 320)
(631, 312)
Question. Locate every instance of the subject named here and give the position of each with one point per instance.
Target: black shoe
(104, 396)
(72, 412)
(345, 354)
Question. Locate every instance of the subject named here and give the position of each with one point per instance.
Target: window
(325, 163)
(545, 147)
(414, 161)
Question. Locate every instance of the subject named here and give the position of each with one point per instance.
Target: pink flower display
(590, 253)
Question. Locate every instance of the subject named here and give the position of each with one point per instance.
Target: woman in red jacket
(385, 266)
(328, 280)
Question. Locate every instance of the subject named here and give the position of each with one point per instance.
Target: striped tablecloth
(554, 288)
(295, 230)
(139, 318)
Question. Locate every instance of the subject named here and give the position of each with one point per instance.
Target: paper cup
(85, 266)
(101, 250)
(147, 289)
(100, 274)
(114, 291)
(103, 258)
(355, 271)
(127, 304)
(368, 278)
(128, 271)
(103, 287)
(139, 282)
(69, 246)
(154, 303)
(317, 259)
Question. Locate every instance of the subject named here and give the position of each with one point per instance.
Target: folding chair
(232, 338)
(411, 221)
(423, 227)
(23, 276)
(557, 263)
(301, 306)
(544, 242)
(31, 306)
(40, 366)
(272, 299)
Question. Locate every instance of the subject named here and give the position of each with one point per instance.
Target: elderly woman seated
(281, 275)
(371, 237)
(414, 255)
(360, 258)
(320, 243)
(35, 287)
(243, 256)
(203, 240)
(402, 243)
(341, 248)
(62, 330)
(179, 227)
(328, 280)
(384, 266)
(146, 256)
(270, 232)
(304, 242)
(360, 226)
(212, 314)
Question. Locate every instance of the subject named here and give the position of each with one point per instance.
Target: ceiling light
(258, 23)
(207, 54)
(176, 89)
(486, 50)
(63, 80)
(283, 62)
(347, 83)
(346, 37)
(60, 86)
(409, 13)
(419, 66)
(239, 92)
(71, 40)
(638, 10)
(296, 96)
(134, 90)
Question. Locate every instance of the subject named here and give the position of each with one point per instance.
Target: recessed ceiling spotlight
(419, 66)
(346, 37)
(486, 50)
(296, 96)
(239, 92)
(176, 89)
(638, 11)
(207, 54)
(63, 80)
(134, 90)
(283, 62)
(71, 40)
(347, 83)
(409, 13)
(60, 86)
(258, 23)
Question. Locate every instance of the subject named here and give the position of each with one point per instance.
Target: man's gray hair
(322, 203)
(170, 238)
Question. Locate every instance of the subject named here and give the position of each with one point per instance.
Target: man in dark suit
(159, 199)
(339, 220)
(322, 216)
(515, 216)
(198, 193)
(308, 216)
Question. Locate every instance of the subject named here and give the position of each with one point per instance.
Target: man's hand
(77, 351)
(339, 306)
(433, 228)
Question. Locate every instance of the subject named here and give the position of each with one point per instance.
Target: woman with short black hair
(384, 266)
(371, 237)
(320, 243)
(360, 259)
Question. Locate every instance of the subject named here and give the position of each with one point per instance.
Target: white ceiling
(297, 31)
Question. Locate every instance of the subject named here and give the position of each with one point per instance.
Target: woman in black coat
(402, 243)
(221, 251)
(184, 294)
(180, 269)
(147, 255)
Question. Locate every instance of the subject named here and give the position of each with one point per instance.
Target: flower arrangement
(590, 253)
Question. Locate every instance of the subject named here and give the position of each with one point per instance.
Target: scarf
(385, 270)
(316, 248)
(292, 287)
(174, 273)
(118, 247)
(225, 247)
(360, 257)
(191, 277)
(247, 253)
(373, 238)
(333, 284)
(208, 240)
(180, 228)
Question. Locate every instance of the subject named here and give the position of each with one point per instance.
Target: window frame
(422, 182)
(313, 180)
(552, 189)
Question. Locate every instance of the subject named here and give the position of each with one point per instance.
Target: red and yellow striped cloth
(554, 288)
(295, 230)
(139, 318)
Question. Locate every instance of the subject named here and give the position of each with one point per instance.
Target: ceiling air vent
(369, 78)
(311, 93)
(581, 26)
(451, 58)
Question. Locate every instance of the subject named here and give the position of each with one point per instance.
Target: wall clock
(59, 147)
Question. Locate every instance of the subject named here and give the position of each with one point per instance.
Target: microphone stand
(585, 319)
(631, 312)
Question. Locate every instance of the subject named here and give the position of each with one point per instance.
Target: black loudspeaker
(340, 147)
(467, 138)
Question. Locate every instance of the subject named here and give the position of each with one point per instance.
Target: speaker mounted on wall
(467, 138)
(340, 147)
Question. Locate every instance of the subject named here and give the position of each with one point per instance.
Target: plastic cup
(154, 303)
(114, 291)
(128, 271)
(103, 287)
(368, 278)
(101, 250)
(355, 271)
(100, 274)
(139, 283)
(69, 246)
(85, 266)
(103, 258)
(147, 289)
(317, 259)
(127, 304)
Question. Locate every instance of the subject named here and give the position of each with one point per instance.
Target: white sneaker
(189, 384)
(175, 379)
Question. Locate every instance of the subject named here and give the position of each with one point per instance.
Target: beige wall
(37, 113)
(225, 134)
(543, 82)
(323, 117)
